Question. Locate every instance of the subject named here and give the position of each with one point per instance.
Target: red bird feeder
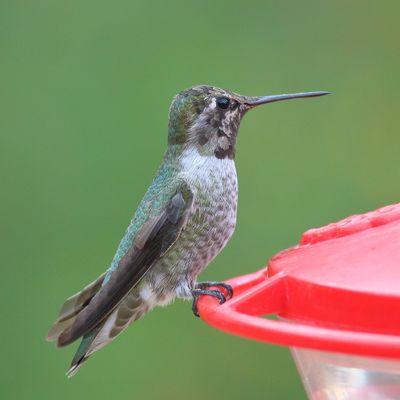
(337, 298)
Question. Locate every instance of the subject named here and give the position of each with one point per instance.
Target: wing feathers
(154, 239)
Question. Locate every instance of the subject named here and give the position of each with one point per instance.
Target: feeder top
(346, 274)
(338, 290)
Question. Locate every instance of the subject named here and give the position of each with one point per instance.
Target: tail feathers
(129, 310)
(83, 352)
(75, 367)
(79, 300)
(58, 328)
(72, 306)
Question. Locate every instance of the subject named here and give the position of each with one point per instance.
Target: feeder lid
(338, 290)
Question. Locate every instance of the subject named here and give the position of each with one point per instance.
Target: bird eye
(223, 102)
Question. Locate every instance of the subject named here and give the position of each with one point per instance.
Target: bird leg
(203, 288)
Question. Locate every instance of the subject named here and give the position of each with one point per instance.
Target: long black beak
(255, 101)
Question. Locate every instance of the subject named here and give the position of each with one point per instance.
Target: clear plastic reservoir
(335, 376)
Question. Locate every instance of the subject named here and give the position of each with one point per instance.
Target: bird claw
(208, 284)
(202, 288)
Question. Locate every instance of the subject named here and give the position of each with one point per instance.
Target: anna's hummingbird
(186, 217)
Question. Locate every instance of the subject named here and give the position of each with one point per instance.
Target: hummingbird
(184, 220)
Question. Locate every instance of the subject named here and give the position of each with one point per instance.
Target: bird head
(208, 118)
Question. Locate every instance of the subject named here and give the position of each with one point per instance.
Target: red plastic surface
(339, 290)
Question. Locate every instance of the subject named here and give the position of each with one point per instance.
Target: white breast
(210, 225)
(214, 185)
(205, 172)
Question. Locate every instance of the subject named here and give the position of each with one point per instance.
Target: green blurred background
(85, 90)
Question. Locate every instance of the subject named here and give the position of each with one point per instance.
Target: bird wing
(153, 240)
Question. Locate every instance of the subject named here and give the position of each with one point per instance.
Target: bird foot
(203, 288)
